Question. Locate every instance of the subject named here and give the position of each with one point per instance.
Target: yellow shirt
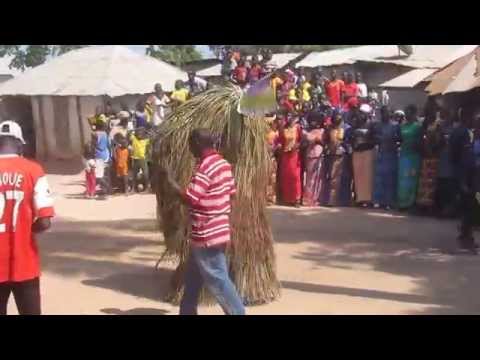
(292, 95)
(306, 95)
(180, 95)
(139, 147)
(306, 85)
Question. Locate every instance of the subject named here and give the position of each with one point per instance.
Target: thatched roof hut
(66, 90)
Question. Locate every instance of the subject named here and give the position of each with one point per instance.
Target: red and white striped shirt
(209, 195)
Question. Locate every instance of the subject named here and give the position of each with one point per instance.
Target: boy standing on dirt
(90, 172)
(122, 157)
(90, 179)
(140, 147)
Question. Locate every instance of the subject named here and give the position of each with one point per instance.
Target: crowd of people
(245, 70)
(330, 148)
(327, 147)
(118, 157)
(332, 143)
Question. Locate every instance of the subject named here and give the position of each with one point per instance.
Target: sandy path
(99, 259)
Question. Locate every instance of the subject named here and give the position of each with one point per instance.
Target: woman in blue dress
(387, 137)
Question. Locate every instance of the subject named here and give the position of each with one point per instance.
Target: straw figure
(241, 140)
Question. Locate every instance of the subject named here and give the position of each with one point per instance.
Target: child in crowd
(140, 147)
(140, 114)
(122, 157)
(90, 179)
(180, 95)
(90, 176)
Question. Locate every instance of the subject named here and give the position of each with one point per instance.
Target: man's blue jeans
(208, 266)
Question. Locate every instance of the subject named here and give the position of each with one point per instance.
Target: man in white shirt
(159, 102)
(385, 98)
(195, 85)
(362, 87)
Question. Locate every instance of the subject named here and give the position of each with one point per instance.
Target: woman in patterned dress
(432, 141)
(314, 159)
(337, 180)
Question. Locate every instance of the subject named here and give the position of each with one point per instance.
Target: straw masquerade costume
(238, 119)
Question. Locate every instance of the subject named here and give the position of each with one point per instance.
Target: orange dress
(122, 156)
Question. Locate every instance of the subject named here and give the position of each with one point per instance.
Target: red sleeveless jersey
(24, 197)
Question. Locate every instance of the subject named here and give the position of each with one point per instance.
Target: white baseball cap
(11, 128)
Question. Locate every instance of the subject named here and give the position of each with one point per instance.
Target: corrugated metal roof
(424, 56)
(431, 56)
(95, 70)
(345, 55)
(468, 77)
(282, 59)
(278, 61)
(440, 80)
(409, 79)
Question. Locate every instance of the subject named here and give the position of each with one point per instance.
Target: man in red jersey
(209, 200)
(26, 207)
(334, 89)
(350, 92)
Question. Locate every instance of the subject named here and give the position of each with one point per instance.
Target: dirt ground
(99, 258)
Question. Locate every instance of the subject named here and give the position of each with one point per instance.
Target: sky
(204, 50)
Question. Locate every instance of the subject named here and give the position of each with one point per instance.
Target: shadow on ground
(395, 243)
(107, 256)
(64, 167)
(120, 256)
(136, 311)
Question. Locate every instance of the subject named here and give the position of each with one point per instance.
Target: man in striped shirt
(208, 197)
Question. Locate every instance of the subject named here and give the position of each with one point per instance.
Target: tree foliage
(174, 54)
(251, 49)
(27, 56)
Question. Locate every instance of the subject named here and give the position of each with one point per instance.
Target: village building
(55, 99)
(388, 67)
(457, 86)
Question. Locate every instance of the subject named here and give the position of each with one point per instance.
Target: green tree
(27, 56)
(174, 54)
